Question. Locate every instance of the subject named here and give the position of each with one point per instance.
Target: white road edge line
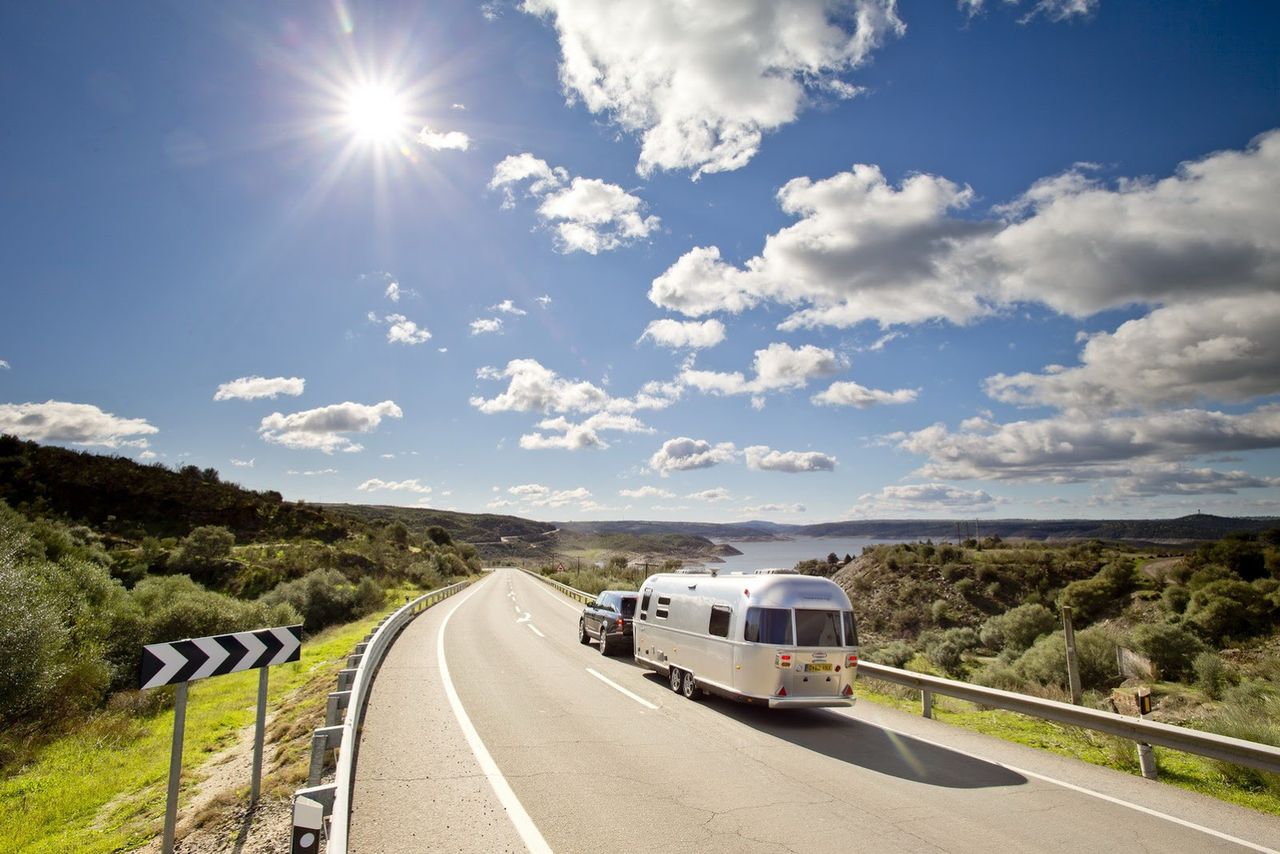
(524, 825)
(1091, 793)
(615, 686)
(534, 629)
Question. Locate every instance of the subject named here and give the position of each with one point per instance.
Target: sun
(376, 113)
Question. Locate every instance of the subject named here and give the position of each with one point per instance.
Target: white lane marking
(1253, 846)
(517, 607)
(525, 618)
(534, 629)
(515, 810)
(615, 686)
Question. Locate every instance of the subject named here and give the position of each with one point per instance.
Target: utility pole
(1073, 663)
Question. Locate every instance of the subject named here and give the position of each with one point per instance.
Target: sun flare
(376, 113)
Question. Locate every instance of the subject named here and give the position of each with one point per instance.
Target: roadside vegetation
(87, 581)
(1197, 626)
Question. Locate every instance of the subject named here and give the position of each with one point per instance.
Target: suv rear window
(628, 606)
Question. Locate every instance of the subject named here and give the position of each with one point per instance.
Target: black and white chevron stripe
(197, 658)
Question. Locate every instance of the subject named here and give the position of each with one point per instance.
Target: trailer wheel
(583, 637)
(674, 676)
(690, 690)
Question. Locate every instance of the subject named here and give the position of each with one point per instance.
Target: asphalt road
(547, 745)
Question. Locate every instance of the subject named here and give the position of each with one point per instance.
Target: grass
(101, 788)
(1179, 769)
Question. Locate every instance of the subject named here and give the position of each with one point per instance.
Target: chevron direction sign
(197, 658)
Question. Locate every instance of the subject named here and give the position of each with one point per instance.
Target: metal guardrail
(1234, 750)
(354, 684)
(571, 592)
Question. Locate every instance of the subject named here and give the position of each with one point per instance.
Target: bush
(206, 544)
(176, 607)
(35, 642)
(1227, 608)
(1211, 674)
(325, 597)
(1046, 661)
(1018, 628)
(1172, 649)
(892, 654)
(946, 649)
(1251, 712)
(1105, 592)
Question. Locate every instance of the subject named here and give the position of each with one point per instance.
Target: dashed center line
(534, 629)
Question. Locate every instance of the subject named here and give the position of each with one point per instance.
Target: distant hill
(740, 531)
(476, 528)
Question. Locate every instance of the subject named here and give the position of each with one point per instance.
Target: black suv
(608, 619)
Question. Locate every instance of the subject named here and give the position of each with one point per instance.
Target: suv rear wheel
(583, 637)
(604, 639)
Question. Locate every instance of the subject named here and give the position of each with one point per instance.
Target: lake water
(787, 553)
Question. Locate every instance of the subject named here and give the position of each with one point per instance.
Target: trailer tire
(689, 688)
(674, 677)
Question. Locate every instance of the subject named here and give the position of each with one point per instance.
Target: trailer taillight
(782, 660)
(851, 661)
(848, 690)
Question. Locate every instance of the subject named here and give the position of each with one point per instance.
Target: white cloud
(778, 366)
(1069, 448)
(763, 458)
(774, 508)
(395, 486)
(4, 366)
(646, 492)
(537, 495)
(1220, 348)
(486, 325)
(683, 454)
(544, 300)
(852, 394)
(712, 495)
(576, 437)
(393, 291)
(147, 455)
(453, 140)
(252, 388)
(702, 84)
(924, 498)
(243, 464)
(1175, 479)
(321, 429)
(457, 106)
(75, 423)
(864, 249)
(586, 214)
(312, 473)
(533, 388)
(690, 333)
(508, 307)
(1056, 10)
(402, 330)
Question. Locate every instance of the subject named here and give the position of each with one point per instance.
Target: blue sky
(800, 261)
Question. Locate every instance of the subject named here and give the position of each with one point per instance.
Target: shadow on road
(869, 746)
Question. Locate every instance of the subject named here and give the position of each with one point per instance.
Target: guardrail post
(353, 661)
(926, 703)
(1146, 755)
(308, 823)
(345, 677)
(335, 706)
(323, 740)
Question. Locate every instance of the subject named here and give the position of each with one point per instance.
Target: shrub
(1227, 608)
(1175, 598)
(1211, 674)
(893, 654)
(34, 644)
(206, 544)
(1018, 628)
(325, 597)
(1106, 591)
(946, 649)
(999, 675)
(176, 607)
(1250, 711)
(1046, 661)
(1171, 648)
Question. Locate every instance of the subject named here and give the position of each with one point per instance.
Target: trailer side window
(850, 629)
(817, 628)
(644, 603)
(663, 602)
(767, 625)
(719, 625)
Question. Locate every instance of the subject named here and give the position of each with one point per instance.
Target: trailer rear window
(850, 629)
(767, 625)
(817, 628)
(719, 624)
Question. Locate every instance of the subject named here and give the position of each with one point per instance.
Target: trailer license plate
(817, 667)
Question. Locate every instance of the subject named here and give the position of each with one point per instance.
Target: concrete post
(1073, 663)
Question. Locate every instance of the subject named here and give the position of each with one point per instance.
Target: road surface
(490, 728)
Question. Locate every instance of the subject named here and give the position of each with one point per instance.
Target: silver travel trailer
(777, 639)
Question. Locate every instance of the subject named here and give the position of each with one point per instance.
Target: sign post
(183, 661)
